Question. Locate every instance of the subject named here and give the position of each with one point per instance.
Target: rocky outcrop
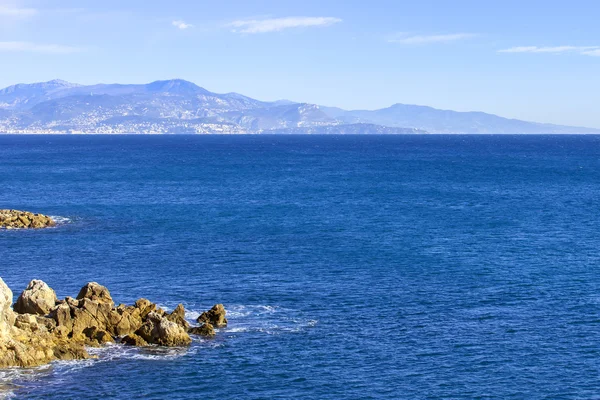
(159, 330)
(15, 219)
(44, 329)
(178, 316)
(95, 292)
(38, 298)
(27, 340)
(205, 329)
(215, 316)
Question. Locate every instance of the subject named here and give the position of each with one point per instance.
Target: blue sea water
(352, 267)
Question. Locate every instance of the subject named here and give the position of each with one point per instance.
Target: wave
(61, 220)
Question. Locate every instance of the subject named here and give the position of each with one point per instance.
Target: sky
(532, 60)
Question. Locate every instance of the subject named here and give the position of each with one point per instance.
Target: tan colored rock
(62, 315)
(214, 316)
(95, 292)
(203, 330)
(134, 340)
(28, 339)
(37, 298)
(178, 316)
(97, 336)
(15, 219)
(7, 316)
(159, 330)
(129, 320)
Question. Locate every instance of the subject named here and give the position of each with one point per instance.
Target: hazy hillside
(179, 106)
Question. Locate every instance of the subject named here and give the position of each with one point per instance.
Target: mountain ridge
(180, 106)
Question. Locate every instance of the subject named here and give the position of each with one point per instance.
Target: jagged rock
(37, 298)
(178, 316)
(215, 316)
(203, 330)
(62, 315)
(145, 306)
(45, 323)
(34, 344)
(26, 322)
(68, 350)
(159, 330)
(95, 292)
(130, 320)
(97, 336)
(15, 219)
(134, 340)
(60, 329)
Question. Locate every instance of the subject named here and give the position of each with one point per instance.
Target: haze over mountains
(178, 106)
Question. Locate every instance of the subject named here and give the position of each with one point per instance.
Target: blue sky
(532, 60)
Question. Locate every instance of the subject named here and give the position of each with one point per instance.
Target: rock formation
(42, 329)
(38, 298)
(15, 219)
(214, 316)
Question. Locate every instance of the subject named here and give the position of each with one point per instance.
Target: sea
(351, 267)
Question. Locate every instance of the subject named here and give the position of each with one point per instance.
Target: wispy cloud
(179, 24)
(279, 24)
(585, 50)
(404, 38)
(17, 12)
(30, 47)
(594, 52)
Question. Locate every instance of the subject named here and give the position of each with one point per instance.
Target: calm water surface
(358, 267)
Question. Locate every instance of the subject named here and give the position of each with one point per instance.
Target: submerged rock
(215, 316)
(44, 329)
(15, 219)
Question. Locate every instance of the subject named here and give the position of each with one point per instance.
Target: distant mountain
(444, 121)
(27, 95)
(179, 106)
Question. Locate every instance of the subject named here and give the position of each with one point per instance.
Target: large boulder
(215, 316)
(38, 298)
(96, 292)
(159, 330)
(15, 219)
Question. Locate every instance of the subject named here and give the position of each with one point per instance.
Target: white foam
(60, 220)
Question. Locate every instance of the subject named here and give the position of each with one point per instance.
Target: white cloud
(550, 49)
(592, 52)
(37, 48)
(279, 24)
(17, 12)
(179, 24)
(583, 50)
(404, 38)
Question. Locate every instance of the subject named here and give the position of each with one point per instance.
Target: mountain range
(179, 106)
